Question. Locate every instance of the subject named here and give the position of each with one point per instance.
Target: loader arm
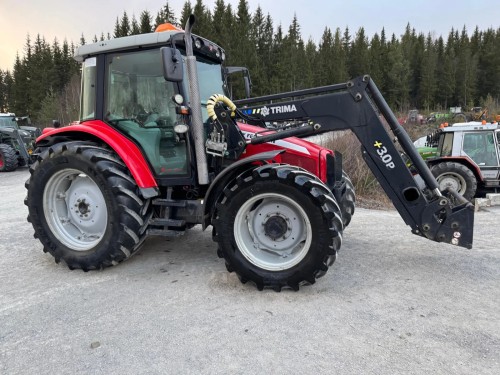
(359, 106)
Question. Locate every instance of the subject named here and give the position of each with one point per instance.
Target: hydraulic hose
(214, 99)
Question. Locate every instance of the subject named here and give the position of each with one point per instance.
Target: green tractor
(16, 143)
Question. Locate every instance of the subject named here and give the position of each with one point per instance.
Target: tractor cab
(124, 84)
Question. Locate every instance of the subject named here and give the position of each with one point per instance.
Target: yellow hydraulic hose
(214, 99)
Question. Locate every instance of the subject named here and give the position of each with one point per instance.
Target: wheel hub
(276, 227)
(452, 182)
(82, 207)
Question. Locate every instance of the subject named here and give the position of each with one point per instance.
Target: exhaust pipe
(194, 95)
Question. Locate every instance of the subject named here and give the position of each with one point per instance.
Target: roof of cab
(124, 43)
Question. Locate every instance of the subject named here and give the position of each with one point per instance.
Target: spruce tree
(187, 10)
(125, 25)
(428, 86)
(359, 59)
(134, 27)
(145, 22)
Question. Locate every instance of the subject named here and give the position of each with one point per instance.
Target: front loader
(160, 148)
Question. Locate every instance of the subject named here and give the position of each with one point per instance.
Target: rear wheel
(455, 176)
(8, 158)
(84, 206)
(460, 117)
(278, 226)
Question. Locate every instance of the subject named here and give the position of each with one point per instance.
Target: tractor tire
(455, 176)
(85, 206)
(277, 226)
(348, 201)
(460, 117)
(8, 158)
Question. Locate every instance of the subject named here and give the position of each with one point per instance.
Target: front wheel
(348, 200)
(278, 226)
(84, 206)
(455, 176)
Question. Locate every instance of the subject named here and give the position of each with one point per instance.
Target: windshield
(210, 82)
(210, 78)
(8, 122)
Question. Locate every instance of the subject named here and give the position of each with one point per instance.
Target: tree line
(411, 70)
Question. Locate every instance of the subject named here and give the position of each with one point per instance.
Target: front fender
(223, 178)
(124, 147)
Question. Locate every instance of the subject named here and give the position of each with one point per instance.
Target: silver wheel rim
(75, 209)
(272, 232)
(452, 181)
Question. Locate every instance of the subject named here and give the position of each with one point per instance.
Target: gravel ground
(392, 303)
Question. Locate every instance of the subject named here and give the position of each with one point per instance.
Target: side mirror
(246, 78)
(172, 64)
(248, 85)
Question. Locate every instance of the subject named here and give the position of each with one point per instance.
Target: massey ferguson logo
(265, 111)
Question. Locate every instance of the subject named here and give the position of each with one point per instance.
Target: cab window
(481, 148)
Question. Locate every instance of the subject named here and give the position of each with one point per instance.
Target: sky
(69, 19)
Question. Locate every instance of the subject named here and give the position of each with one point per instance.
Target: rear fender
(124, 147)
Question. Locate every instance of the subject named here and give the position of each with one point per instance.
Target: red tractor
(156, 153)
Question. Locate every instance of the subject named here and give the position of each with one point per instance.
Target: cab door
(139, 103)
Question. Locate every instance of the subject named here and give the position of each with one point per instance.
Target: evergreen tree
(451, 68)
(117, 31)
(293, 47)
(145, 22)
(308, 64)
(20, 95)
(346, 40)
(262, 50)
(221, 25)
(134, 28)
(187, 10)
(339, 56)
(376, 61)
(3, 96)
(466, 78)
(203, 19)
(164, 15)
(169, 15)
(125, 25)
(278, 67)
(359, 61)
(324, 74)
(489, 64)
(8, 82)
(396, 75)
(428, 79)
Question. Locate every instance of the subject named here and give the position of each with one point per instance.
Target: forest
(412, 70)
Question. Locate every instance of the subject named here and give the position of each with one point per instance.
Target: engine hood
(8, 130)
